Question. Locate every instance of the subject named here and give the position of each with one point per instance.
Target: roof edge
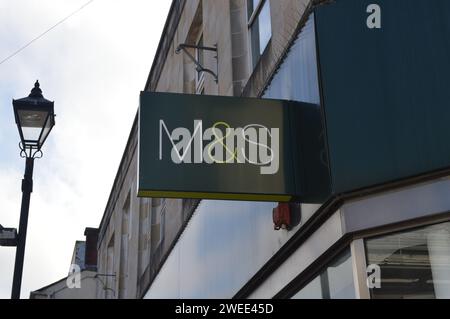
(176, 4)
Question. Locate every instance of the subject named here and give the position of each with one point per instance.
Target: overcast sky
(93, 66)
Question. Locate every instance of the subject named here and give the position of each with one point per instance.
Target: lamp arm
(200, 68)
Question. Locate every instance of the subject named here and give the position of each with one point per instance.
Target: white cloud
(93, 66)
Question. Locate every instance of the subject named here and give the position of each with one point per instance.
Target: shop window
(413, 264)
(335, 282)
(260, 27)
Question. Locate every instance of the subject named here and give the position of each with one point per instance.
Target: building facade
(82, 279)
(139, 237)
(390, 240)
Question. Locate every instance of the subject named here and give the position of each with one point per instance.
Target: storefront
(384, 232)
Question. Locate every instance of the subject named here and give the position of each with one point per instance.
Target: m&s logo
(253, 144)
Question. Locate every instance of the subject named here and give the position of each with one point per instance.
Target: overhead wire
(45, 32)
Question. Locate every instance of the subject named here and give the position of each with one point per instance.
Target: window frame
(321, 272)
(255, 12)
(251, 20)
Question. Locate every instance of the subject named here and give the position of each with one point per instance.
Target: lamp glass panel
(31, 123)
(46, 130)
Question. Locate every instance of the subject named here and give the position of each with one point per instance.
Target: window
(260, 27)
(296, 78)
(200, 76)
(335, 282)
(158, 223)
(109, 284)
(125, 238)
(144, 243)
(413, 264)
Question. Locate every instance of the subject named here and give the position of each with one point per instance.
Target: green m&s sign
(228, 148)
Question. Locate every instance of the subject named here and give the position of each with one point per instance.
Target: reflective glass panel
(413, 264)
(260, 28)
(335, 282)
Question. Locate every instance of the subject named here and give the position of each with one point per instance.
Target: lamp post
(35, 119)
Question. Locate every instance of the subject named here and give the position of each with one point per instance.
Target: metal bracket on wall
(200, 68)
(8, 237)
(105, 285)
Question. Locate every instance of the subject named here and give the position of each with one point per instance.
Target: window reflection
(297, 79)
(414, 264)
(260, 27)
(335, 282)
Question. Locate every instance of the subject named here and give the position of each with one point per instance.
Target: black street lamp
(35, 119)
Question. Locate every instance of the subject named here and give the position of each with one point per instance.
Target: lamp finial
(36, 92)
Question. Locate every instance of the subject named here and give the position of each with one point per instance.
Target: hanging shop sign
(385, 74)
(210, 147)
